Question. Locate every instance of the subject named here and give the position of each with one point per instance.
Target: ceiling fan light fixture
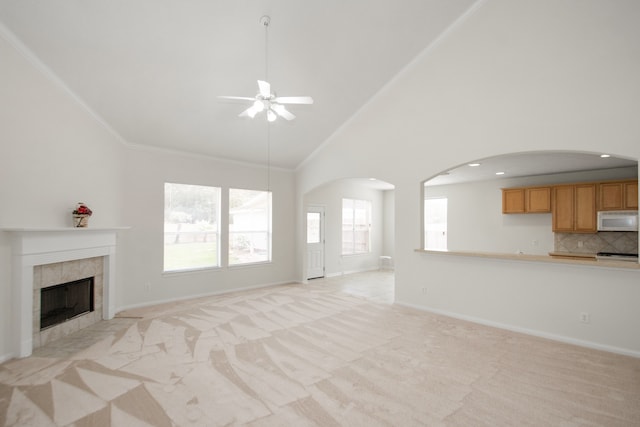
(271, 116)
(258, 106)
(251, 112)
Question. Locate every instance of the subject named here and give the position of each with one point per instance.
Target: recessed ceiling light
(473, 165)
(604, 156)
(499, 173)
(372, 179)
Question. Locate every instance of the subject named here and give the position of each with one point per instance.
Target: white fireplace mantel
(37, 246)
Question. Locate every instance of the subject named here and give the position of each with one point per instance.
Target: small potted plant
(81, 215)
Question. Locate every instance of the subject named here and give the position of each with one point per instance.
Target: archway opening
(358, 230)
(475, 220)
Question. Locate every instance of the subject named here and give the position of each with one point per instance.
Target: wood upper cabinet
(631, 195)
(538, 199)
(526, 200)
(563, 214)
(574, 208)
(512, 200)
(619, 195)
(586, 215)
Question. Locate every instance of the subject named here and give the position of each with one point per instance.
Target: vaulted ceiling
(152, 70)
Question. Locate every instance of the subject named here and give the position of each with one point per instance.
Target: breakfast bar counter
(553, 257)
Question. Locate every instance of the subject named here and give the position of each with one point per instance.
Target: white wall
(389, 243)
(330, 197)
(515, 76)
(476, 223)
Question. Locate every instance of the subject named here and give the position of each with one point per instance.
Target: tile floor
(375, 285)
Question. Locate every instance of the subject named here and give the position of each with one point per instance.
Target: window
(435, 224)
(356, 226)
(249, 226)
(191, 227)
(313, 227)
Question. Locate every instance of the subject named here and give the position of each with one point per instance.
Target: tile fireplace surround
(33, 247)
(47, 277)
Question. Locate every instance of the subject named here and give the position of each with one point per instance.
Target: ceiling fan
(266, 100)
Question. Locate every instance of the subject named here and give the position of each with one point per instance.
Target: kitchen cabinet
(620, 195)
(574, 208)
(538, 200)
(526, 200)
(631, 195)
(512, 200)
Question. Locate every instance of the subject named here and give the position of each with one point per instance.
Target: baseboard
(5, 357)
(526, 331)
(344, 273)
(206, 294)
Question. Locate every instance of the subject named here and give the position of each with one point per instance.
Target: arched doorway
(354, 218)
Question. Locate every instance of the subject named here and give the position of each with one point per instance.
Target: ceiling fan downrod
(265, 21)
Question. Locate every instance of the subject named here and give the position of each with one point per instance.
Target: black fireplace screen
(62, 302)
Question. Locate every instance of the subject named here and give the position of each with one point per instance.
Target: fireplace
(63, 302)
(67, 297)
(46, 257)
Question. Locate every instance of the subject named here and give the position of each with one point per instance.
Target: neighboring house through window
(249, 226)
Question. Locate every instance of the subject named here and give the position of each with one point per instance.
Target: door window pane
(313, 227)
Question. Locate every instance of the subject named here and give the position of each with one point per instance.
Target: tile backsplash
(603, 241)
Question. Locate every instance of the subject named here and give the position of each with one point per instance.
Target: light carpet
(313, 355)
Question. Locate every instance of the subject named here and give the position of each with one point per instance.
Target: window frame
(217, 202)
(268, 231)
(426, 224)
(369, 213)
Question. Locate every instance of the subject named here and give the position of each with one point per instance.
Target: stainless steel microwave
(618, 221)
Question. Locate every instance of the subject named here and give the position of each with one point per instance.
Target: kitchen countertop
(558, 258)
(578, 255)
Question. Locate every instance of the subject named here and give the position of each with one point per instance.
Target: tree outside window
(191, 227)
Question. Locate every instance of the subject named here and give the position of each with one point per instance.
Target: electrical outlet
(580, 243)
(585, 317)
(147, 286)
(424, 290)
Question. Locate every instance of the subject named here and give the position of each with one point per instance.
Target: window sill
(250, 265)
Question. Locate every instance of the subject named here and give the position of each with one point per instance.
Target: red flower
(82, 209)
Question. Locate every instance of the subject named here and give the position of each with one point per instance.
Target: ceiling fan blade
(282, 112)
(294, 100)
(240, 98)
(265, 88)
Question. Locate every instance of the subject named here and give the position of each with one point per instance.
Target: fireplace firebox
(62, 302)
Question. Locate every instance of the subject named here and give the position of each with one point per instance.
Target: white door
(315, 242)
